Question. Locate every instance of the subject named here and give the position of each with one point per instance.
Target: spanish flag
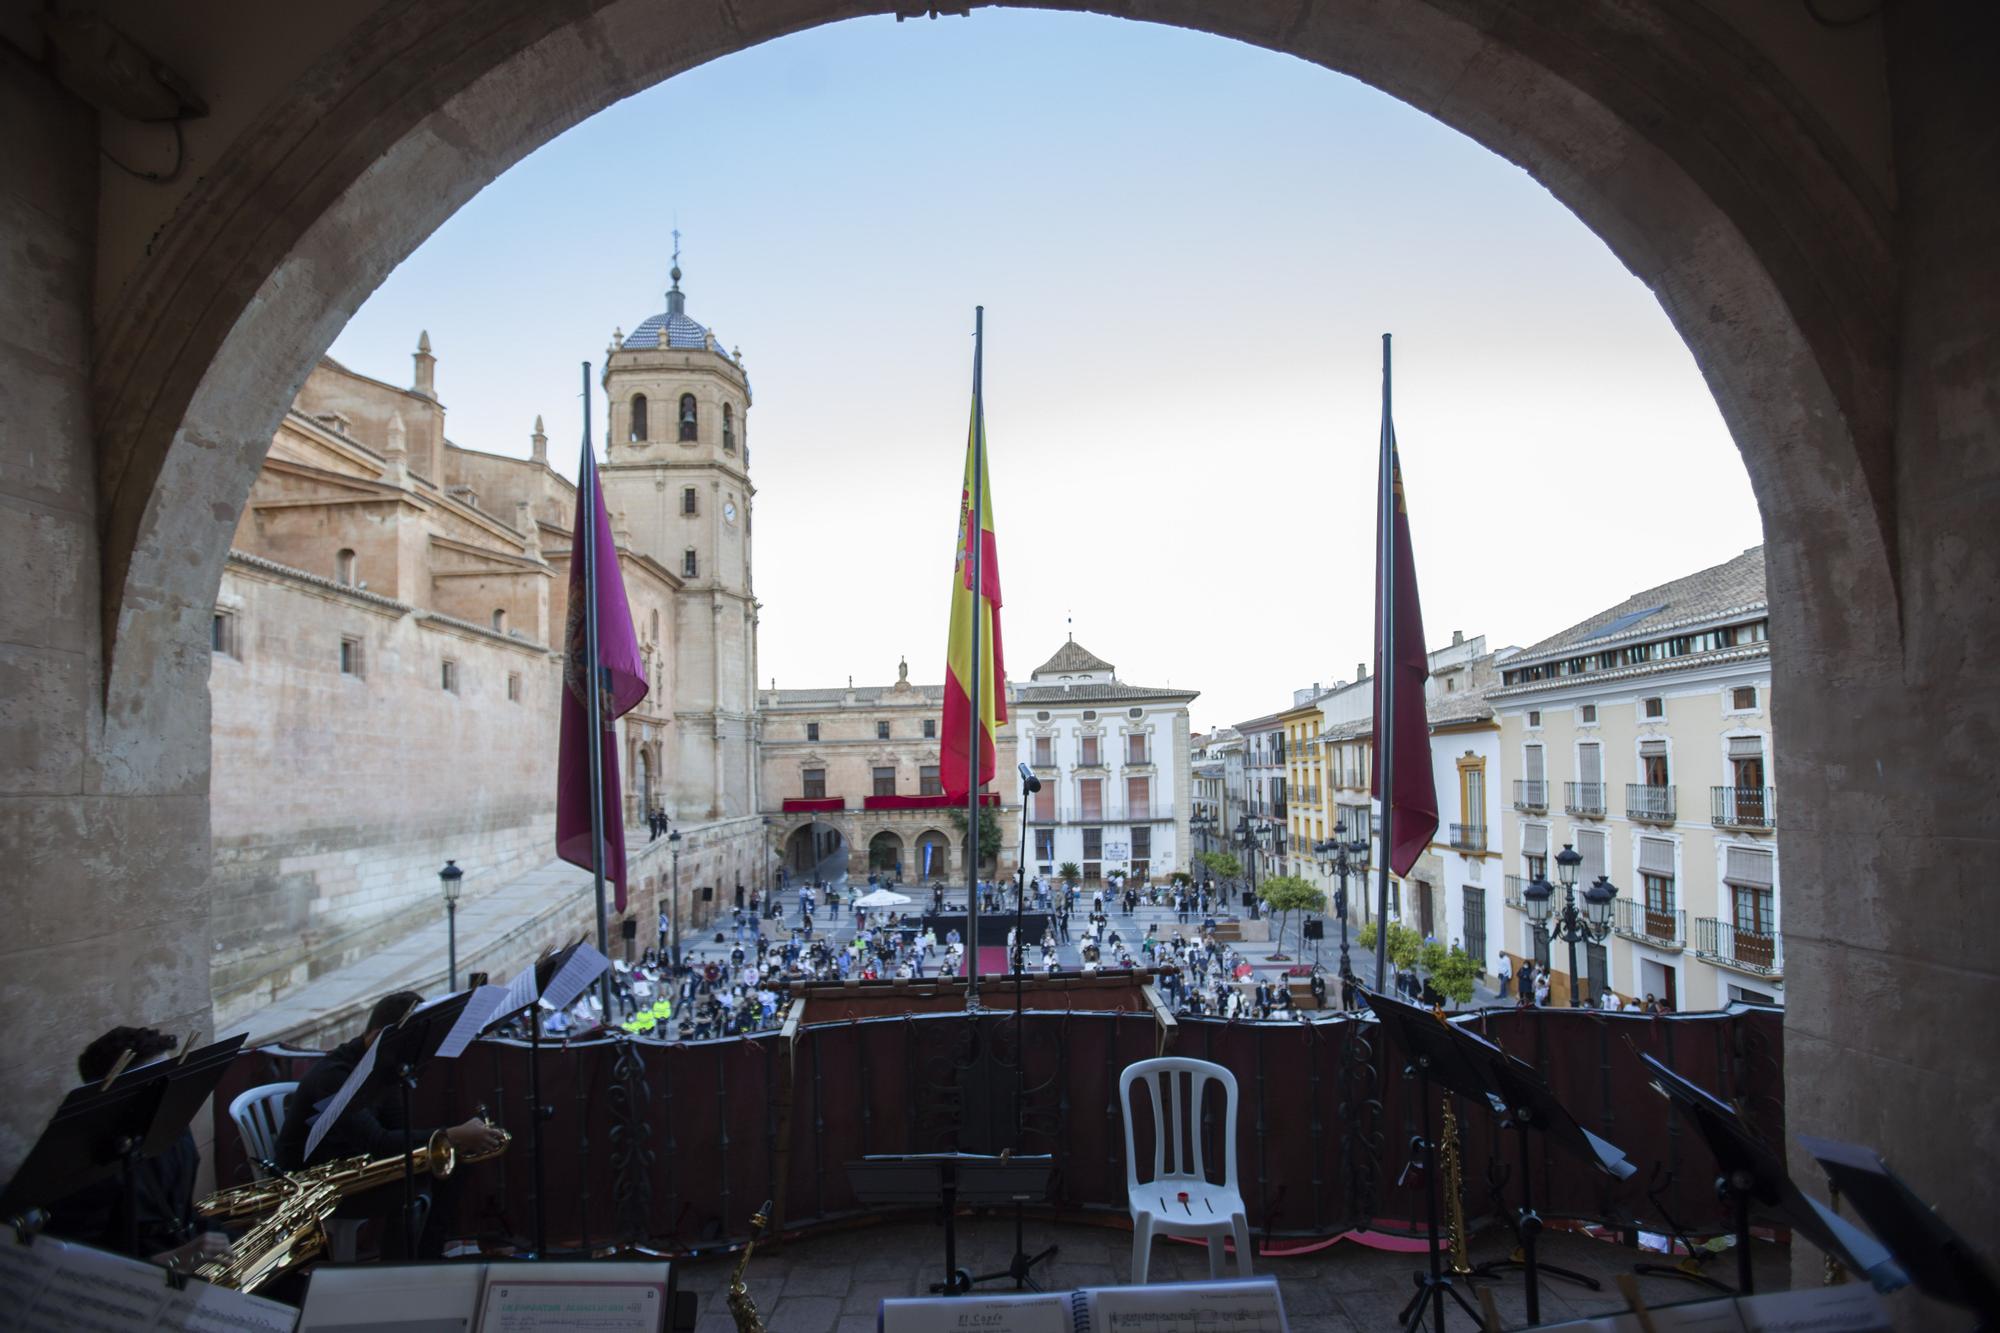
(975, 622)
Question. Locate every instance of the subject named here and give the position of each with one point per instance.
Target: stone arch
(931, 857)
(885, 851)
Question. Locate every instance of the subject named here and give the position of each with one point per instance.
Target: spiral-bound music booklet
(1242, 1305)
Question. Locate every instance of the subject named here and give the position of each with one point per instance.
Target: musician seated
(156, 1221)
(374, 1129)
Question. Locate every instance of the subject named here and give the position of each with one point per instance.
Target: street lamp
(450, 877)
(674, 899)
(1348, 858)
(1572, 924)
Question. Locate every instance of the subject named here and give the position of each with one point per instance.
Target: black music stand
(1754, 1179)
(1434, 1054)
(950, 1179)
(99, 1129)
(1936, 1258)
(1529, 1103)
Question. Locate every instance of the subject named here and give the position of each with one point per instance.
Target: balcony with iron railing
(1468, 837)
(1140, 758)
(1636, 921)
(1721, 943)
(1513, 898)
(1305, 795)
(1584, 799)
(1531, 794)
(1751, 808)
(1146, 813)
(1649, 805)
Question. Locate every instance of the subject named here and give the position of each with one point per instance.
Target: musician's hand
(474, 1136)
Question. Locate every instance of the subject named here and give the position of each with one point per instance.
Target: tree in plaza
(1222, 865)
(1070, 873)
(1453, 975)
(1181, 879)
(1285, 894)
(1405, 944)
(989, 831)
(1431, 956)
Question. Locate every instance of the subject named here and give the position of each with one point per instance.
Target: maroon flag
(1402, 665)
(621, 677)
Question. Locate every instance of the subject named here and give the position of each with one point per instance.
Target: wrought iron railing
(1743, 807)
(1531, 794)
(1649, 805)
(1468, 837)
(1584, 798)
(1721, 942)
(1635, 920)
(1515, 885)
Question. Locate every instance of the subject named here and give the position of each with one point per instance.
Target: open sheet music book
(597, 1296)
(59, 1286)
(1241, 1305)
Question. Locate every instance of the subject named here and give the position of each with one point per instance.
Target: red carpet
(992, 958)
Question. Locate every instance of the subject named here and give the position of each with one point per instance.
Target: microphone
(1029, 782)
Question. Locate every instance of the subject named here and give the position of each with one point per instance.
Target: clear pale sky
(1188, 250)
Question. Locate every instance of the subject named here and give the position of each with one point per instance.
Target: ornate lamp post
(674, 901)
(449, 877)
(1348, 858)
(1572, 924)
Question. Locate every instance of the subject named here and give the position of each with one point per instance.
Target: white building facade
(1113, 760)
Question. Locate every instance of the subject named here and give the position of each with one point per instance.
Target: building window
(448, 675)
(350, 656)
(1089, 759)
(1743, 698)
(343, 568)
(1090, 797)
(1475, 924)
(927, 781)
(1093, 844)
(1089, 715)
(1138, 798)
(687, 417)
(688, 502)
(1534, 717)
(638, 431)
(1588, 712)
(1045, 752)
(499, 620)
(1656, 707)
(1045, 846)
(1045, 802)
(1142, 843)
(690, 566)
(812, 731)
(1042, 716)
(222, 634)
(881, 731)
(513, 687)
(728, 427)
(930, 728)
(1135, 748)
(885, 782)
(813, 784)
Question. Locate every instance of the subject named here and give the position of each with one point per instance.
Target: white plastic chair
(1179, 1199)
(259, 1113)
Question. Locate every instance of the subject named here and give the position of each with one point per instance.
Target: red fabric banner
(1412, 808)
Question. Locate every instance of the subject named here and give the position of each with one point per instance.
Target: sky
(1188, 250)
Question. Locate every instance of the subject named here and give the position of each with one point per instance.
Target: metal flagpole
(1385, 670)
(587, 541)
(976, 534)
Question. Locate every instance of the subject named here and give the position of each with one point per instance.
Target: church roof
(674, 328)
(1073, 657)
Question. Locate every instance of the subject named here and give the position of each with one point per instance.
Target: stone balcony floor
(831, 1283)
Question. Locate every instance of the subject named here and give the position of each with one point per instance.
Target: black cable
(155, 177)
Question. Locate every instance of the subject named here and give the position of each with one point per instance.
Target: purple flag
(622, 677)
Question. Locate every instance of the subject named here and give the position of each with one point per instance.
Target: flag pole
(976, 534)
(594, 675)
(1385, 671)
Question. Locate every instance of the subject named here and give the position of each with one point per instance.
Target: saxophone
(293, 1233)
(1454, 1201)
(741, 1307)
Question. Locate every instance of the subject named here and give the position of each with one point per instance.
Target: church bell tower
(678, 470)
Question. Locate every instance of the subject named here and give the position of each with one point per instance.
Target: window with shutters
(885, 781)
(1585, 796)
(1534, 717)
(1090, 797)
(1475, 924)
(813, 784)
(1656, 879)
(1532, 791)
(1089, 759)
(1045, 751)
(1743, 699)
(928, 783)
(1045, 847)
(1588, 713)
(1535, 851)
(1748, 802)
(1653, 763)
(1138, 798)
(1655, 707)
(1750, 874)
(1590, 845)
(1045, 802)
(1135, 748)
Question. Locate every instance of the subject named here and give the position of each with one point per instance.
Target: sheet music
(628, 1297)
(478, 1014)
(1870, 1258)
(92, 1291)
(26, 1269)
(1609, 1157)
(409, 1298)
(584, 966)
(206, 1309)
(1039, 1312)
(1245, 1305)
(520, 991)
(332, 1112)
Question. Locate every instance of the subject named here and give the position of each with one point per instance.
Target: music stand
(1936, 1257)
(1530, 1103)
(1435, 1054)
(1754, 1177)
(96, 1130)
(949, 1179)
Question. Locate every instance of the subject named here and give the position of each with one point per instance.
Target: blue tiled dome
(674, 328)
